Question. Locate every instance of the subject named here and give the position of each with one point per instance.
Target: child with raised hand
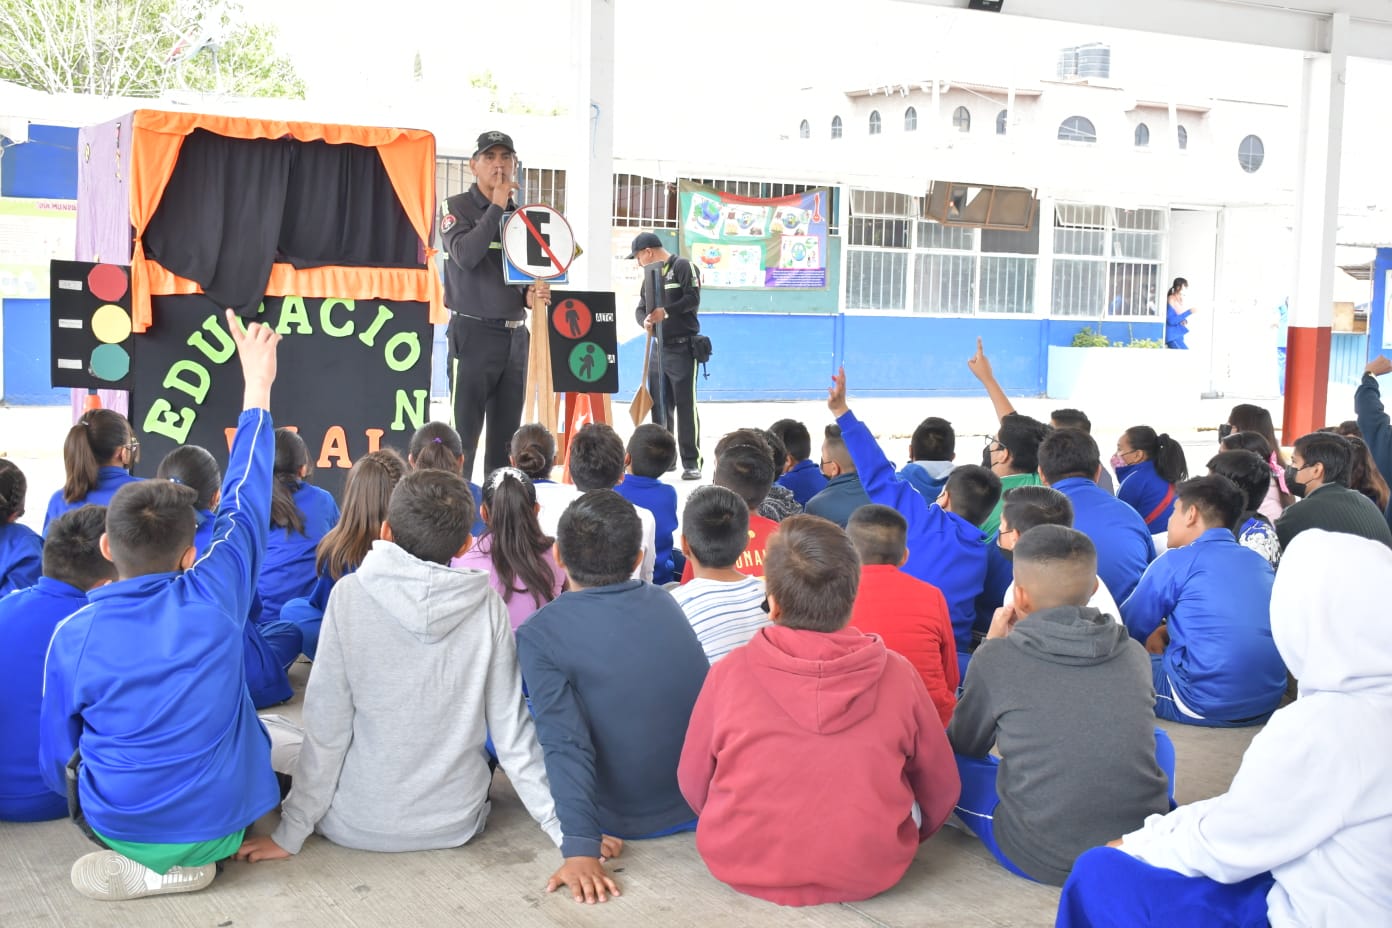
(534, 454)
(597, 463)
(512, 550)
(21, 548)
(651, 452)
(269, 647)
(98, 454)
(301, 515)
(1066, 697)
(724, 606)
(72, 565)
(416, 667)
(145, 715)
(910, 616)
(366, 495)
(437, 446)
(810, 747)
(1148, 465)
(613, 669)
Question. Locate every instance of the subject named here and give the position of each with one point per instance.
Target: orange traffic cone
(93, 401)
(579, 413)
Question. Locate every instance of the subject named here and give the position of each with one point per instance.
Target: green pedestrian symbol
(588, 362)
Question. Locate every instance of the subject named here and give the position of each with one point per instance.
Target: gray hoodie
(416, 665)
(1068, 698)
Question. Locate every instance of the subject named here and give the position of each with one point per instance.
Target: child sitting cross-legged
(146, 722)
(596, 462)
(1065, 695)
(613, 669)
(415, 668)
(724, 606)
(910, 615)
(72, 565)
(651, 452)
(814, 756)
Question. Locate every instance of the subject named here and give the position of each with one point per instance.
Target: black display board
(89, 325)
(584, 342)
(353, 376)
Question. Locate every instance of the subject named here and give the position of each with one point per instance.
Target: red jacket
(751, 562)
(804, 756)
(912, 618)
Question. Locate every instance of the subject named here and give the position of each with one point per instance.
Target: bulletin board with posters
(755, 243)
(211, 212)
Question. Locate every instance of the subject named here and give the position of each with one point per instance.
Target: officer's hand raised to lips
(502, 192)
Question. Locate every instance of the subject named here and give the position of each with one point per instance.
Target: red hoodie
(804, 756)
(912, 618)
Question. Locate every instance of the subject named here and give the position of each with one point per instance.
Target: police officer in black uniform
(676, 313)
(488, 338)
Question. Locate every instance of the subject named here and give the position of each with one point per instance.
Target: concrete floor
(499, 878)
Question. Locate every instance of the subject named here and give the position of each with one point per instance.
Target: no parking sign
(538, 244)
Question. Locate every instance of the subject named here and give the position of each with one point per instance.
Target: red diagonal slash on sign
(555, 261)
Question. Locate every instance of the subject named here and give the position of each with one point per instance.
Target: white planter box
(1151, 386)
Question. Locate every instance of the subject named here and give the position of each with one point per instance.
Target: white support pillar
(590, 177)
(1316, 228)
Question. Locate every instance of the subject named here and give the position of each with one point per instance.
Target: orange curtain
(407, 154)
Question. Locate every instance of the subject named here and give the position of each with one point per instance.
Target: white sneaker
(110, 877)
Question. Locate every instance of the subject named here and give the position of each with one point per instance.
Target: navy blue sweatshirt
(613, 673)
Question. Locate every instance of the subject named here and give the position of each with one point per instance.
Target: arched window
(1077, 129)
(1142, 135)
(836, 127)
(1183, 139)
(961, 119)
(1251, 153)
(874, 122)
(1002, 118)
(804, 130)
(911, 120)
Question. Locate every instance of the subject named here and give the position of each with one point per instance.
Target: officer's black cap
(644, 240)
(494, 140)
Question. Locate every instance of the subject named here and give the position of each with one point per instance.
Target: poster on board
(755, 243)
(352, 376)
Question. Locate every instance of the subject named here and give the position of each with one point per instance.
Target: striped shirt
(725, 614)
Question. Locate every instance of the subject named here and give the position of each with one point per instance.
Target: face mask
(1118, 462)
(986, 457)
(1296, 487)
(1007, 553)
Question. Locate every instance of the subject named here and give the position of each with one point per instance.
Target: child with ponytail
(365, 499)
(98, 454)
(534, 454)
(1147, 467)
(301, 515)
(513, 550)
(21, 549)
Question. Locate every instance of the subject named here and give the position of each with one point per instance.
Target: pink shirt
(521, 606)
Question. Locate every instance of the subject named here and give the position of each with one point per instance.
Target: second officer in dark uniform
(676, 311)
(488, 338)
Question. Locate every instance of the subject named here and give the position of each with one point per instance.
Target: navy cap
(644, 240)
(493, 140)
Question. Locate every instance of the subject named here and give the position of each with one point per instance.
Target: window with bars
(1107, 261)
(898, 261)
(539, 185)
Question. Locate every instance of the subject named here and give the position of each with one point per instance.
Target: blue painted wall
(1348, 354)
(43, 167)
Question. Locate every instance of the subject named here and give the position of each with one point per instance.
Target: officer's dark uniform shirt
(681, 297)
(471, 230)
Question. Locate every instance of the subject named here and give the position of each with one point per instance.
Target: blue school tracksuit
(944, 549)
(21, 557)
(27, 620)
(660, 499)
(307, 613)
(109, 480)
(269, 647)
(1124, 545)
(1175, 330)
(1148, 493)
(148, 681)
(289, 569)
(1222, 663)
(805, 480)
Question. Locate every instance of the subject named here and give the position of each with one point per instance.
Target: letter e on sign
(539, 242)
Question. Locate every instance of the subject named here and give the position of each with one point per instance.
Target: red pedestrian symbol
(572, 319)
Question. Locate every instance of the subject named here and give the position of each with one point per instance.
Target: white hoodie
(1312, 801)
(416, 665)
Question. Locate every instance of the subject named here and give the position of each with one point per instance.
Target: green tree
(141, 48)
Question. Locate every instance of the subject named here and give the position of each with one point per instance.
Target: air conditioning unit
(982, 206)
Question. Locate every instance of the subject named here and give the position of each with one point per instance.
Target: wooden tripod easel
(541, 403)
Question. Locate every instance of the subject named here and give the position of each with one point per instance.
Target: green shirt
(992, 523)
(161, 858)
